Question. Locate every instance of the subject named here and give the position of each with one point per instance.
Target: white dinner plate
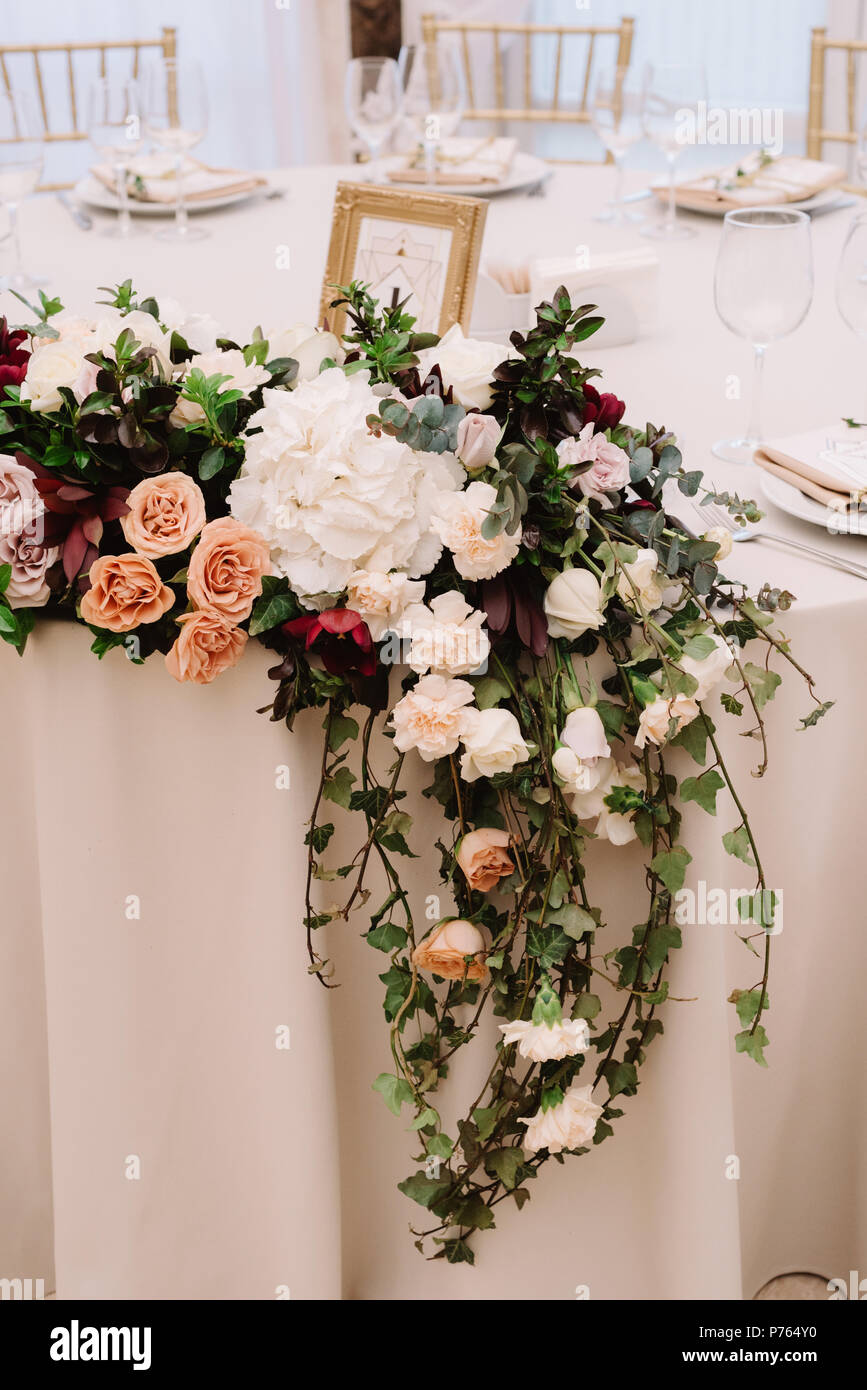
(787, 497)
(90, 190)
(825, 201)
(526, 170)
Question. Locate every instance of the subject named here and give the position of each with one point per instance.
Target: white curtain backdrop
(274, 70)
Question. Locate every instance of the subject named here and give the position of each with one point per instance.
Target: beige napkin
(808, 464)
(755, 182)
(151, 179)
(461, 159)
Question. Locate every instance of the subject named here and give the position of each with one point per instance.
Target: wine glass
(617, 115)
(763, 287)
(851, 285)
(374, 96)
(114, 130)
(672, 91)
(22, 152)
(434, 94)
(176, 119)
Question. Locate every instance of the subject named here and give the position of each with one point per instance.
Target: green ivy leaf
(395, 1091)
(762, 683)
(423, 1189)
(703, 790)
(753, 1044)
(343, 726)
(386, 937)
(506, 1164)
(670, 866)
(339, 787)
(737, 843)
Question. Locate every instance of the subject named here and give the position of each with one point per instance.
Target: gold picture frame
(419, 242)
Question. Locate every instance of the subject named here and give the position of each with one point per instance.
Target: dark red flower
(341, 638)
(13, 358)
(604, 409)
(75, 514)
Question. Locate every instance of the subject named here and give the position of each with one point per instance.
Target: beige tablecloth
(187, 1154)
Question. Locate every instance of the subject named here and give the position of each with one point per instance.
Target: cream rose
(478, 437)
(53, 365)
(492, 743)
(483, 858)
(458, 523)
(467, 366)
(309, 347)
(637, 583)
(708, 670)
(541, 1042)
(243, 376)
(125, 592)
(382, 598)
(453, 951)
(610, 470)
(207, 645)
(569, 1125)
(573, 604)
(431, 717)
(165, 514)
(226, 569)
(447, 637)
(655, 719)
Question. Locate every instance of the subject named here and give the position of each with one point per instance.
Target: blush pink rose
(226, 569)
(207, 646)
(483, 858)
(165, 514)
(125, 592)
(477, 440)
(610, 470)
(444, 951)
(30, 561)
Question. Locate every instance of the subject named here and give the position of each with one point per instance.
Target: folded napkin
(755, 181)
(835, 477)
(152, 179)
(461, 159)
(618, 281)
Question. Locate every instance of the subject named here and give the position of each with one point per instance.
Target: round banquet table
(161, 1143)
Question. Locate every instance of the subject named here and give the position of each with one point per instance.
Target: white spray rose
(492, 743)
(573, 604)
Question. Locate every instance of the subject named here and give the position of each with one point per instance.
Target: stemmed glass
(22, 152)
(176, 119)
(374, 96)
(617, 114)
(851, 286)
(763, 287)
(673, 89)
(114, 129)
(434, 94)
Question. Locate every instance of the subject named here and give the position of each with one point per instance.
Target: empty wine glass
(434, 94)
(763, 287)
(373, 95)
(672, 91)
(617, 114)
(176, 119)
(851, 286)
(22, 152)
(114, 129)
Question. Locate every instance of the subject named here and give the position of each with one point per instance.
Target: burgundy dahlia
(604, 409)
(340, 636)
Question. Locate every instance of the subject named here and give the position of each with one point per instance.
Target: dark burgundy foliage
(75, 514)
(508, 596)
(340, 637)
(411, 384)
(13, 358)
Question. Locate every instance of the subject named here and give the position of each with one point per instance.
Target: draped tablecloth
(161, 1140)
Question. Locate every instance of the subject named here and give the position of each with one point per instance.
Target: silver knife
(78, 215)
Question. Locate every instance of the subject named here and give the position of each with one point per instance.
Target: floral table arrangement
(493, 530)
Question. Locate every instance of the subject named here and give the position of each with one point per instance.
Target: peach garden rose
(226, 569)
(208, 644)
(483, 857)
(165, 515)
(125, 590)
(444, 952)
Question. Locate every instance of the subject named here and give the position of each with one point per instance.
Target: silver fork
(716, 516)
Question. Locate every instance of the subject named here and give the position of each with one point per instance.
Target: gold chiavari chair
(16, 72)
(555, 113)
(817, 133)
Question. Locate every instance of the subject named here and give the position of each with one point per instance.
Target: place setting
(417, 631)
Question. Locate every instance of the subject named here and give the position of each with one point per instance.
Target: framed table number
(424, 245)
